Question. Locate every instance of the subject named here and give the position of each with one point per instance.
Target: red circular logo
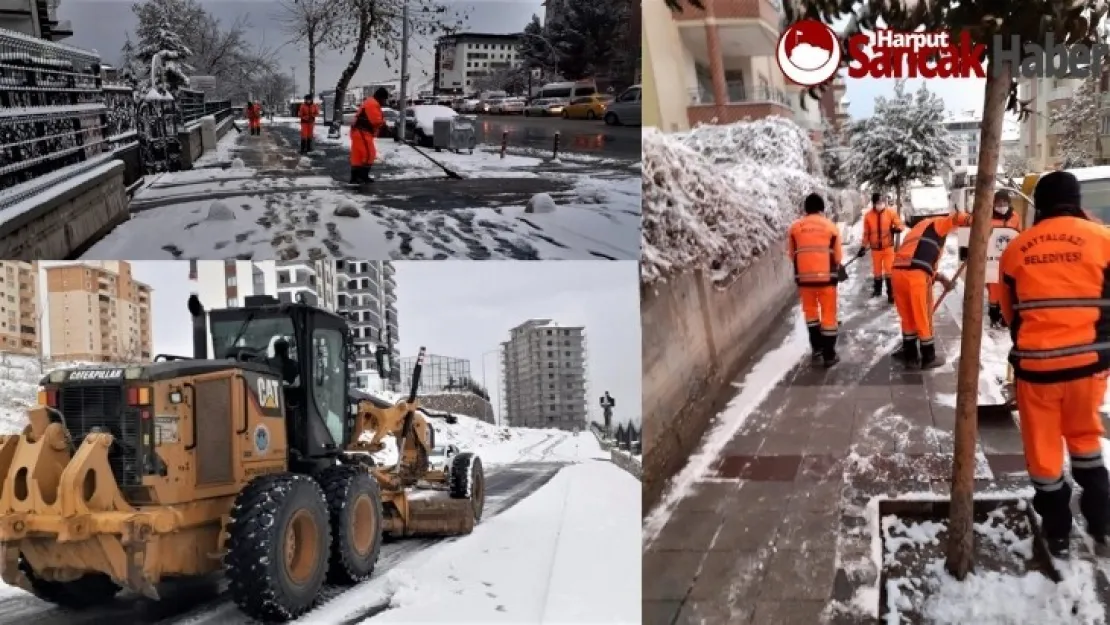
(808, 53)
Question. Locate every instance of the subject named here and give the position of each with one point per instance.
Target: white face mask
(1001, 210)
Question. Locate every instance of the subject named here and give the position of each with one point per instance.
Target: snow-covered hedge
(719, 197)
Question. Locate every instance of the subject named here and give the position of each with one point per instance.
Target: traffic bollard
(555, 150)
(504, 142)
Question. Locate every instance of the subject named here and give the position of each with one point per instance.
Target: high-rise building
(544, 373)
(19, 308)
(98, 313)
(366, 293)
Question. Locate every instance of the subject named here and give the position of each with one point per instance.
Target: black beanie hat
(876, 198)
(814, 204)
(381, 94)
(1055, 191)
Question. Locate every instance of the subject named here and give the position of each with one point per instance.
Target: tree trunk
(356, 60)
(961, 538)
(312, 45)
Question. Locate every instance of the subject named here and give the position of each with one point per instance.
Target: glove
(861, 253)
(943, 279)
(995, 315)
(841, 274)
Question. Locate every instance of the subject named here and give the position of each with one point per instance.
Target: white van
(925, 200)
(566, 91)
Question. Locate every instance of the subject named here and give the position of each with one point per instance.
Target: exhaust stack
(200, 328)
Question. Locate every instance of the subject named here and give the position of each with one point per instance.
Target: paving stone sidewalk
(764, 537)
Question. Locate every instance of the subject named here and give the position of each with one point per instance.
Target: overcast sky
(465, 309)
(102, 25)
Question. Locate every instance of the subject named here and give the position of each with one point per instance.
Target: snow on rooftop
(719, 197)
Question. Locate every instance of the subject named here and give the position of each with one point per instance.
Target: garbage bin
(453, 133)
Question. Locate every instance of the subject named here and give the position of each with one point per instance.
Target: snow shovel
(237, 129)
(949, 289)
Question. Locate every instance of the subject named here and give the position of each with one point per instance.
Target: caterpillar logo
(269, 394)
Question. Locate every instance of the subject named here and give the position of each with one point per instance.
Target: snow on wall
(719, 197)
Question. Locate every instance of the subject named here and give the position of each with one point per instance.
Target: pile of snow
(719, 197)
(19, 386)
(581, 537)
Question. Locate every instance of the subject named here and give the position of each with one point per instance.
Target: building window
(231, 281)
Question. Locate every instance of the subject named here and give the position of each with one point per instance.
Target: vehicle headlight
(133, 373)
(57, 377)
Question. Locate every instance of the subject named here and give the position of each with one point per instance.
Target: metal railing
(737, 93)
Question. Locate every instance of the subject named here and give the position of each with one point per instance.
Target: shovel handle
(947, 290)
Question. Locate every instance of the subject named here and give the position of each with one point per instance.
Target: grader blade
(439, 515)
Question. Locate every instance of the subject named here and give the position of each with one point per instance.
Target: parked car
(391, 116)
(626, 110)
(470, 105)
(490, 105)
(587, 107)
(420, 121)
(536, 107)
(511, 106)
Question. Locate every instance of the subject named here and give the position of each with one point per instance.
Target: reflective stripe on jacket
(813, 244)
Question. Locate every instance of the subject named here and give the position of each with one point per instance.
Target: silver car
(511, 106)
(537, 108)
(627, 109)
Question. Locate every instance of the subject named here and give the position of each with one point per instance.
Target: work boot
(908, 351)
(308, 143)
(889, 290)
(1094, 501)
(1054, 508)
(877, 287)
(929, 356)
(828, 351)
(357, 174)
(994, 313)
(303, 148)
(815, 340)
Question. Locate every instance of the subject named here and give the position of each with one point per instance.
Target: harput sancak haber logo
(808, 53)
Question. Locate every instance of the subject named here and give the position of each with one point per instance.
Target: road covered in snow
(257, 198)
(559, 542)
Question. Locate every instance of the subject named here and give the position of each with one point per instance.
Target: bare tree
(312, 23)
(379, 21)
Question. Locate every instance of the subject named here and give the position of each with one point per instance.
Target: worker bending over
(813, 243)
(1054, 279)
(915, 269)
(308, 111)
(368, 121)
(1004, 217)
(253, 113)
(881, 225)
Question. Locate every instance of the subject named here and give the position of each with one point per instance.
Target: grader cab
(255, 462)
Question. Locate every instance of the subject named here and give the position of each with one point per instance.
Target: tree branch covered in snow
(720, 197)
(903, 141)
(1078, 122)
(834, 155)
(587, 37)
(312, 24)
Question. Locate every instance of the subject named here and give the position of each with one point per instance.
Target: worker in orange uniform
(308, 112)
(915, 270)
(1054, 279)
(368, 120)
(253, 113)
(814, 245)
(881, 225)
(1004, 217)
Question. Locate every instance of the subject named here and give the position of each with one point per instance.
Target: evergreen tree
(585, 40)
(1078, 122)
(833, 155)
(903, 141)
(535, 49)
(162, 51)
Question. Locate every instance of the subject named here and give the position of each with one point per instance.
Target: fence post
(504, 142)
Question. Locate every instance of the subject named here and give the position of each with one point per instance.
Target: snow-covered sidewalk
(570, 553)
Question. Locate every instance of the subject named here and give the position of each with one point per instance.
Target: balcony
(744, 27)
(740, 103)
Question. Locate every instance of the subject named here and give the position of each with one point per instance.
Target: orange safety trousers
(363, 150)
(913, 299)
(306, 130)
(1060, 410)
(993, 291)
(881, 262)
(255, 122)
(819, 307)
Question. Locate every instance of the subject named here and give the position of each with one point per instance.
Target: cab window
(1096, 199)
(329, 383)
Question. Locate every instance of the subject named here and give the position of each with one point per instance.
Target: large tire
(468, 481)
(88, 591)
(590, 115)
(355, 506)
(277, 548)
(612, 120)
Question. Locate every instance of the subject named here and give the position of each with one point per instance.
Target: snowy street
(256, 198)
(558, 542)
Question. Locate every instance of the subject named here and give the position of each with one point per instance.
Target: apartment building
(366, 293)
(966, 129)
(98, 313)
(463, 60)
(718, 66)
(38, 18)
(544, 373)
(20, 319)
(1040, 141)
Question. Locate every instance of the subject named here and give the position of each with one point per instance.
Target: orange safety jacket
(1055, 296)
(813, 242)
(369, 117)
(879, 228)
(1008, 220)
(308, 113)
(924, 243)
(253, 112)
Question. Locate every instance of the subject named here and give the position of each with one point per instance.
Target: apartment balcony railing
(769, 11)
(740, 102)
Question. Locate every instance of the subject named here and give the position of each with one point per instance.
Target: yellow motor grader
(257, 462)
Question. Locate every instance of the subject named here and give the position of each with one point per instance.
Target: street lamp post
(401, 121)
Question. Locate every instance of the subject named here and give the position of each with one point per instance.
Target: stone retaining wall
(460, 403)
(696, 337)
